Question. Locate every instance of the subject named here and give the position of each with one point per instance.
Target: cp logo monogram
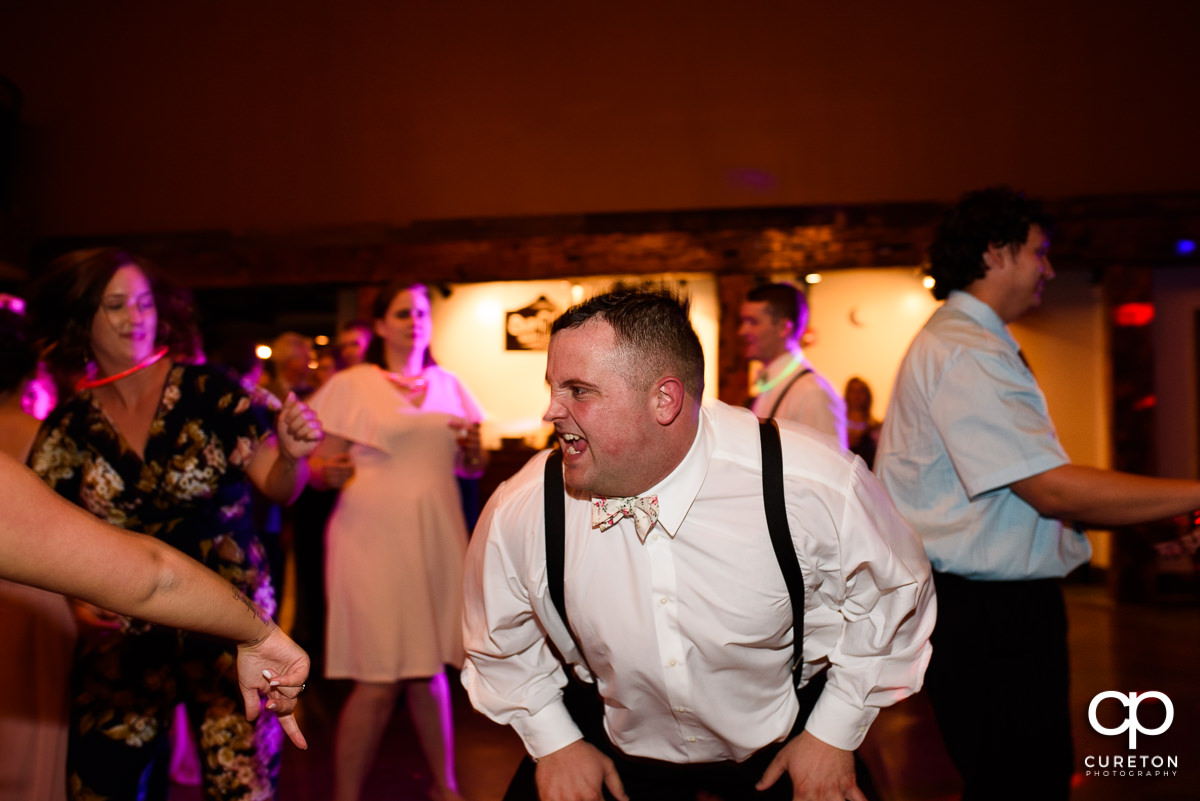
(1131, 723)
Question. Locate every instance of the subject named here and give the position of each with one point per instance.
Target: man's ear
(993, 257)
(668, 400)
(789, 328)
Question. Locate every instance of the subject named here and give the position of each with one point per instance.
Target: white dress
(396, 540)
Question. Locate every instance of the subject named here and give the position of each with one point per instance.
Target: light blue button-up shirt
(966, 420)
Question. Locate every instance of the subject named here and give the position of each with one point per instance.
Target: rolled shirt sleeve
(874, 613)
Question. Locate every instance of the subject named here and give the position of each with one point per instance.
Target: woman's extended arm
(49, 543)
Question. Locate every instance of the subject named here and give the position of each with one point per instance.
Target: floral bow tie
(607, 512)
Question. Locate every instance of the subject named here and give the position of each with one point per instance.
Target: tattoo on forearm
(257, 613)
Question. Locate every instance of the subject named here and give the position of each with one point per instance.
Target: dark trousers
(731, 781)
(654, 780)
(999, 685)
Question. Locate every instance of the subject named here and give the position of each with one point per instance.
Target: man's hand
(578, 772)
(819, 771)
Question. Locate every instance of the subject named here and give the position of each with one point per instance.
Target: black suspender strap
(582, 700)
(555, 509)
(782, 395)
(777, 525)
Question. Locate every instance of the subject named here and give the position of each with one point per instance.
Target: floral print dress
(191, 491)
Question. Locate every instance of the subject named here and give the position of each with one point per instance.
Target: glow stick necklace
(92, 383)
(761, 387)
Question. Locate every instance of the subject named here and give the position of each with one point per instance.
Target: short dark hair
(653, 326)
(68, 294)
(996, 216)
(784, 302)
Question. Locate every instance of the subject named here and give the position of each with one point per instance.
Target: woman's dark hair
(995, 216)
(68, 294)
(866, 388)
(383, 301)
(18, 355)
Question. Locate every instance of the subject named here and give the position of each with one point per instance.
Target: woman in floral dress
(171, 450)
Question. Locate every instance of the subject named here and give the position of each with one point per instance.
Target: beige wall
(862, 321)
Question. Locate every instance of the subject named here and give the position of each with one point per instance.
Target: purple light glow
(752, 179)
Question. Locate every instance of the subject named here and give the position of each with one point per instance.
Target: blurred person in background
(327, 364)
(398, 429)
(862, 429)
(154, 444)
(291, 366)
(352, 342)
(36, 626)
(774, 319)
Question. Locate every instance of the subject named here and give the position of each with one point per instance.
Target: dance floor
(1114, 648)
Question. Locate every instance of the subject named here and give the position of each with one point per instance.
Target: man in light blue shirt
(971, 460)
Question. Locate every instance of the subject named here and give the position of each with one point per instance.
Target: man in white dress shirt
(774, 317)
(681, 615)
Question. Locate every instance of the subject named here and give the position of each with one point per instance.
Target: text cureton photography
(1126, 707)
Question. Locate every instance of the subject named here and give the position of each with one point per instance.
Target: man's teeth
(569, 440)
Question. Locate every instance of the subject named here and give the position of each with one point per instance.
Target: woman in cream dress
(398, 429)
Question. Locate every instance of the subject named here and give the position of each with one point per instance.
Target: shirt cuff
(838, 723)
(547, 730)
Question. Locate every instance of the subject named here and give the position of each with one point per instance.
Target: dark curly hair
(653, 327)
(996, 216)
(67, 296)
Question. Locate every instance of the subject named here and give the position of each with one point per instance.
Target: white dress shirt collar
(679, 489)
